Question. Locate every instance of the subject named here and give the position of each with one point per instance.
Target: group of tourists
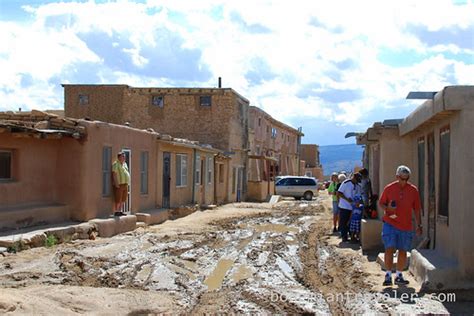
(352, 199)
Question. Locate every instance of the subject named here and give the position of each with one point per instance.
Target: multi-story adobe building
(274, 150)
(215, 116)
(309, 153)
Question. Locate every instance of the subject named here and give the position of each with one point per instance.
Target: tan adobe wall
(105, 103)
(181, 195)
(221, 177)
(102, 134)
(314, 172)
(448, 233)
(39, 172)
(310, 154)
(282, 147)
(182, 115)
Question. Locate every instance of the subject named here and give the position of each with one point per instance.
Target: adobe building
(56, 169)
(273, 151)
(215, 116)
(435, 142)
(309, 153)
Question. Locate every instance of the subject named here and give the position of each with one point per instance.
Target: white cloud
(311, 51)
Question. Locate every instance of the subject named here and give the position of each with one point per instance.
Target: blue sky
(330, 67)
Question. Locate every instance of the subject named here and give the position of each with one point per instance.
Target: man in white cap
(399, 199)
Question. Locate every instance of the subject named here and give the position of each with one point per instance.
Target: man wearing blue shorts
(399, 199)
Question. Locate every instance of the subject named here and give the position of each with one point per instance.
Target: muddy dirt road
(241, 258)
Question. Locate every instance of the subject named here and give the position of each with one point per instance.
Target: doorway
(166, 179)
(126, 208)
(431, 192)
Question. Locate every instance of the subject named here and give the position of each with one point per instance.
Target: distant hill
(335, 158)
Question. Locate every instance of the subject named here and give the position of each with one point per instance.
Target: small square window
(157, 100)
(205, 100)
(83, 99)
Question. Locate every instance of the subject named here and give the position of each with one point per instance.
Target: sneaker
(119, 214)
(334, 230)
(401, 281)
(387, 281)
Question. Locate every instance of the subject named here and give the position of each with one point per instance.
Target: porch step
(437, 272)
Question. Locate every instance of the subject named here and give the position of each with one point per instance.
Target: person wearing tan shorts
(121, 181)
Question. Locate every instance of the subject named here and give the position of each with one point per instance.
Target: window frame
(83, 99)
(197, 171)
(144, 163)
(203, 98)
(443, 173)
(106, 171)
(10, 154)
(210, 163)
(183, 170)
(161, 105)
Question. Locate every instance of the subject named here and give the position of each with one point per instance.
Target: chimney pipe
(220, 83)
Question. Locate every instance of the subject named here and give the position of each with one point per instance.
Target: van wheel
(308, 196)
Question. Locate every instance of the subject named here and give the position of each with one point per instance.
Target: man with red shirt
(399, 199)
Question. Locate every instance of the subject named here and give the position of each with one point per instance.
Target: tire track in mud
(335, 274)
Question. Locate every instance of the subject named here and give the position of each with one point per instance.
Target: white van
(298, 187)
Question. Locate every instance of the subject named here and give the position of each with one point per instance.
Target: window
(308, 174)
(257, 151)
(157, 100)
(181, 170)
(144, 172)
(106, 170)
(205, 100)
(5, 165)
(421, 170)
(268, 129)
(259, 121)
(234, 179)
(83, 99)
(209, 170)
(444, 143)
(274, 132)
(221, 173)
(197, 175)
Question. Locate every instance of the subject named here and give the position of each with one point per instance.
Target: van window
(308, 182)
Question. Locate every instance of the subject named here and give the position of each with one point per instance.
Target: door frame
(127, 207)
(166, 202)
(431, 229)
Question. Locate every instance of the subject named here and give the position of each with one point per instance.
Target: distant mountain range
(335, 158)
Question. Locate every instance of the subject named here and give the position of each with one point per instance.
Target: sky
(330, 67)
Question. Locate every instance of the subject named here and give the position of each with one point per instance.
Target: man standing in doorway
(399, 199)
(121, 181)
(346, 193)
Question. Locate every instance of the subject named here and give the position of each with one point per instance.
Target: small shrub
(51, 241)
(18, 246)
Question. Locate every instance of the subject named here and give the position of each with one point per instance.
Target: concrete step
(437, 272)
